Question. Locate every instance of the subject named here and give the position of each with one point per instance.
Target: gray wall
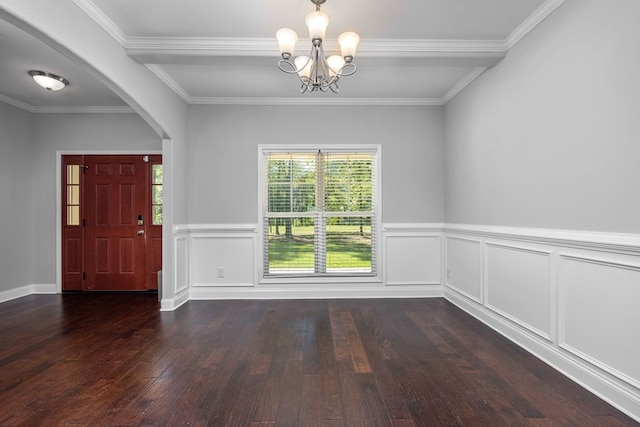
(78, 132)
(16, 207)
(550, 137)
(223, 159)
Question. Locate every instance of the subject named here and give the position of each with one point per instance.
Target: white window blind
(319, 213)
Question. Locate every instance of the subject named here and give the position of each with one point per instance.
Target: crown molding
(90, 109)
(120, 109)
(212, 46)
(170, 82)
(196, 46)
(16, 103)
(392, 47)
(194, 100)
(102, 20)
(462, 83)
(531, 22)
(315, 101)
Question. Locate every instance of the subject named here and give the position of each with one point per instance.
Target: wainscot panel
(412, 254)
(569, 297)
(181, 267)
(223, 255)
(180, 271)
(599, 315)
(464, 267)
(518, 285)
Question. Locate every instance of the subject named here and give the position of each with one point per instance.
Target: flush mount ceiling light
(48, 81)
(315, 71)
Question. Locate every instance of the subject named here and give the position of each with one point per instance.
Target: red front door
(113, 236)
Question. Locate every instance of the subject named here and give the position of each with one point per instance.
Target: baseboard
(170, 304)
(44, 289)
(264, 292)
(24, 291)
(15, 293)
(586, 376)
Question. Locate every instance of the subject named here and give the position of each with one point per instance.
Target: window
(73, 195)
(156, 194)
(319, 212)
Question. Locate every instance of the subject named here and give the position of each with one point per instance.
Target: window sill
(280, 280)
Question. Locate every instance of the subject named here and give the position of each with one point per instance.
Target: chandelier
(316, 72)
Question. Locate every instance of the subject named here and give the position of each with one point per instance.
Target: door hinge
(84, 222)
(84, 276)
(84, 168)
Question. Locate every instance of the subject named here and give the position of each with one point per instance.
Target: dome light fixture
(315, 71)
(49, 81)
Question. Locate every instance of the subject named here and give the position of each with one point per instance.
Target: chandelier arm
(334, 87)
(304, 80)
(347, 69)
(289, 68)
(333, 80)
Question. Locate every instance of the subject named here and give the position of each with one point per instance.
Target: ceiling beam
(199, 51)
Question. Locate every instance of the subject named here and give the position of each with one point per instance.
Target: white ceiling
(412, 52)
(21, 52)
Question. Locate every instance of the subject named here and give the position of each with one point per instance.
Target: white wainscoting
(570, 298)
(411, 263)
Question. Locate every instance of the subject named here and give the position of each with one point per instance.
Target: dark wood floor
(116, 360)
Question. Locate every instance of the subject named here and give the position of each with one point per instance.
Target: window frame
(375, 149)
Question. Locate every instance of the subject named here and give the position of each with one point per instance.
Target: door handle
(140, 232)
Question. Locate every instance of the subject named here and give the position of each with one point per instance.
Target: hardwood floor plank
(310, 413)
(330, 396)
(268, 398)
(289, 404)
(363, 405)
(339, 335)
(356, 350)
(426, 407)
(114, 359)
(378, 345)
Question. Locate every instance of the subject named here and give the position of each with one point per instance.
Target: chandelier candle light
(315, 71)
